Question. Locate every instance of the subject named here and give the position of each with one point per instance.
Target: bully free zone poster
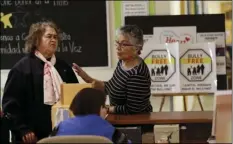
(177, 63)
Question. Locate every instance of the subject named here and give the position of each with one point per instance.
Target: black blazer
(23, 96)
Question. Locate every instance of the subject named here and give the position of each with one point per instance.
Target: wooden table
(162, 118)
(198, 123)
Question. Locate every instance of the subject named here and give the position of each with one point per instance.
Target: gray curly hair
(134, 33)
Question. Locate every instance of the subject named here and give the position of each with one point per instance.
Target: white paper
(184, 35)
(198, 68)
(219, 39)
(163, 62)
(61, 115)
(221, 65)
(134, 8)
(147, 37)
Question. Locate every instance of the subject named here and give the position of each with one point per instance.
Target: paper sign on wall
(219, 39)
(184, 35)
(147, 37)
(134, 8)
(162, 61)
(198, 68)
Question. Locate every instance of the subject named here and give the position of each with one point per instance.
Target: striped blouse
(129, 90)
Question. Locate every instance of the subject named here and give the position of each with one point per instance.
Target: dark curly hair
(35, 33)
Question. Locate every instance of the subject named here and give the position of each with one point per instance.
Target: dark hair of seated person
(88, 101)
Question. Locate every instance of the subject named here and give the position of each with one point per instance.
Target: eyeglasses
(122, 45)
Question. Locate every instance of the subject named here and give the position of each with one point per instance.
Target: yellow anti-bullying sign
(155, 60)
(161, 65)
(195, 65)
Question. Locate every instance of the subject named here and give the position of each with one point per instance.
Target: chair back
(76, 139)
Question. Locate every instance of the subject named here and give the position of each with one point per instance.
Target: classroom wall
(213, 7)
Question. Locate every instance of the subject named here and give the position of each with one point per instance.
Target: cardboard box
(68, 92)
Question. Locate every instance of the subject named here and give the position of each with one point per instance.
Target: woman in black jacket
(33, 84)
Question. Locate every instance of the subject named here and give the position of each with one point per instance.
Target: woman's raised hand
(82, 73)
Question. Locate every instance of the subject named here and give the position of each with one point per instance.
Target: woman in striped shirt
(129, 88)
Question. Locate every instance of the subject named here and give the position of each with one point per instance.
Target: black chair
(133, 133)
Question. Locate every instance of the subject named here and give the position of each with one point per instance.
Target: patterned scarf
(52, 80)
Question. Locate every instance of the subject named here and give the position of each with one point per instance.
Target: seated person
(89, 110)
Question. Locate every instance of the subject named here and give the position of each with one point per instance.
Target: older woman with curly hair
(33, 84)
